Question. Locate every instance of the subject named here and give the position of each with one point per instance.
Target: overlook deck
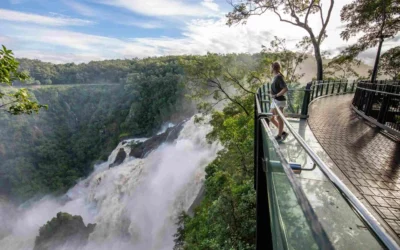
(368, 158)
(335, 182)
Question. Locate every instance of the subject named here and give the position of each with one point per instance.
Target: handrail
(319, 233)
(377, 91)
(346, 193)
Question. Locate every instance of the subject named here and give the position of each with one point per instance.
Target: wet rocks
(119, 159)
(141, 149)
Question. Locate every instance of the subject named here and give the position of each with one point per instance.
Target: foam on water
(135, 204)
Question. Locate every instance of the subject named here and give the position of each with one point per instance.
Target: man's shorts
(276, 103)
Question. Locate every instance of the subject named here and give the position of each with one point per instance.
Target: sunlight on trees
(19, 102)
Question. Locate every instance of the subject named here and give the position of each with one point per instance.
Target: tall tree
(295, 12)
(390, 63)
(19, 102)
(376, 19)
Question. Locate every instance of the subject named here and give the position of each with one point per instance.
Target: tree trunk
(318, 58)
(378, 55)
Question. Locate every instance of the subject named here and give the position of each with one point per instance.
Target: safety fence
(379, 103)
(287, 215)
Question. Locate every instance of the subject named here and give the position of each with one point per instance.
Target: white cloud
(75, 46)
(58, 57)
(198, 37)
(81, 8)
(16, 16)
(162, 7)
(210, 4)
(144, 25)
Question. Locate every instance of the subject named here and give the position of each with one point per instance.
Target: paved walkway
(369, 159)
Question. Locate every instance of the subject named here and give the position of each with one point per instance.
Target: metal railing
(329, 88)
(380, 104)
(263, 194)
(298, 99)
(262, 166)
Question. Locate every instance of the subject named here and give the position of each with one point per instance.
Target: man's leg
(273, 119)
(280, 123)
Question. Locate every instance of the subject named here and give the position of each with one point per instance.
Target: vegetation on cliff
(63, 230)
(49, 152)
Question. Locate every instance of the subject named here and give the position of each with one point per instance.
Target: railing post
(352, 86)
(333, 87)
(340, 85)
(306, 99)
(264, 97)
(312, 91)
(322, 89)
(345, 86)
(327, 88)
(370, 102)
(255, 140)
(384, 109)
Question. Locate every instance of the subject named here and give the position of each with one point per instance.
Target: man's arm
(282, 92)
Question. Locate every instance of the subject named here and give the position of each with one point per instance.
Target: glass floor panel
(342, 224)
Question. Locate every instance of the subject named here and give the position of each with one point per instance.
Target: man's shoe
(284, 135)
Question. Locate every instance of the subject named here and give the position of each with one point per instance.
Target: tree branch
(322, 32)
(238, 83)
(229, 97)
(284, 20)
(8, 104)
(308, 11)
(321, 14)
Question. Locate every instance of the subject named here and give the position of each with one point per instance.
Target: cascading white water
(134, 204)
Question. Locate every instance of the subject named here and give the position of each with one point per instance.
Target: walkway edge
(370, 119)
(371, 210)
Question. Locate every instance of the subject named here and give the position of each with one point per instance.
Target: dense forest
(50, 151)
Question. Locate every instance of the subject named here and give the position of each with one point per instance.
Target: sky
(62, 31)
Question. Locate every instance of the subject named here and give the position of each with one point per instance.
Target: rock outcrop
(141, 149)
(64, 230)
(119, 159)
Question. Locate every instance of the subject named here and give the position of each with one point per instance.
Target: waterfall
(134, 204)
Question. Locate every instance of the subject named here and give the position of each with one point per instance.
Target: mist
(134, 205)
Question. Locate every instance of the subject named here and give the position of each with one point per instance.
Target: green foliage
(226, 217)
(294, 12)
(63, 229)
(213, 79)
(48, 153)
(156, 86)
(95, 72)
(18, 102)
(390, 63)
(376, 20)
(290, 61)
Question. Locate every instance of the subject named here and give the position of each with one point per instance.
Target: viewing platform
(334, 182)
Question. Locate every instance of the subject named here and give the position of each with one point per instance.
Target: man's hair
(276, 66)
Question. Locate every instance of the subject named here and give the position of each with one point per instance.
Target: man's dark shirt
(277, 85)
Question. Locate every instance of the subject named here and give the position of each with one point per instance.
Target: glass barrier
(343, 222)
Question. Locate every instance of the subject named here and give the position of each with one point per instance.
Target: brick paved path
(368, 158)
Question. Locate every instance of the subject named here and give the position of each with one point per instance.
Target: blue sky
(84, 30)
